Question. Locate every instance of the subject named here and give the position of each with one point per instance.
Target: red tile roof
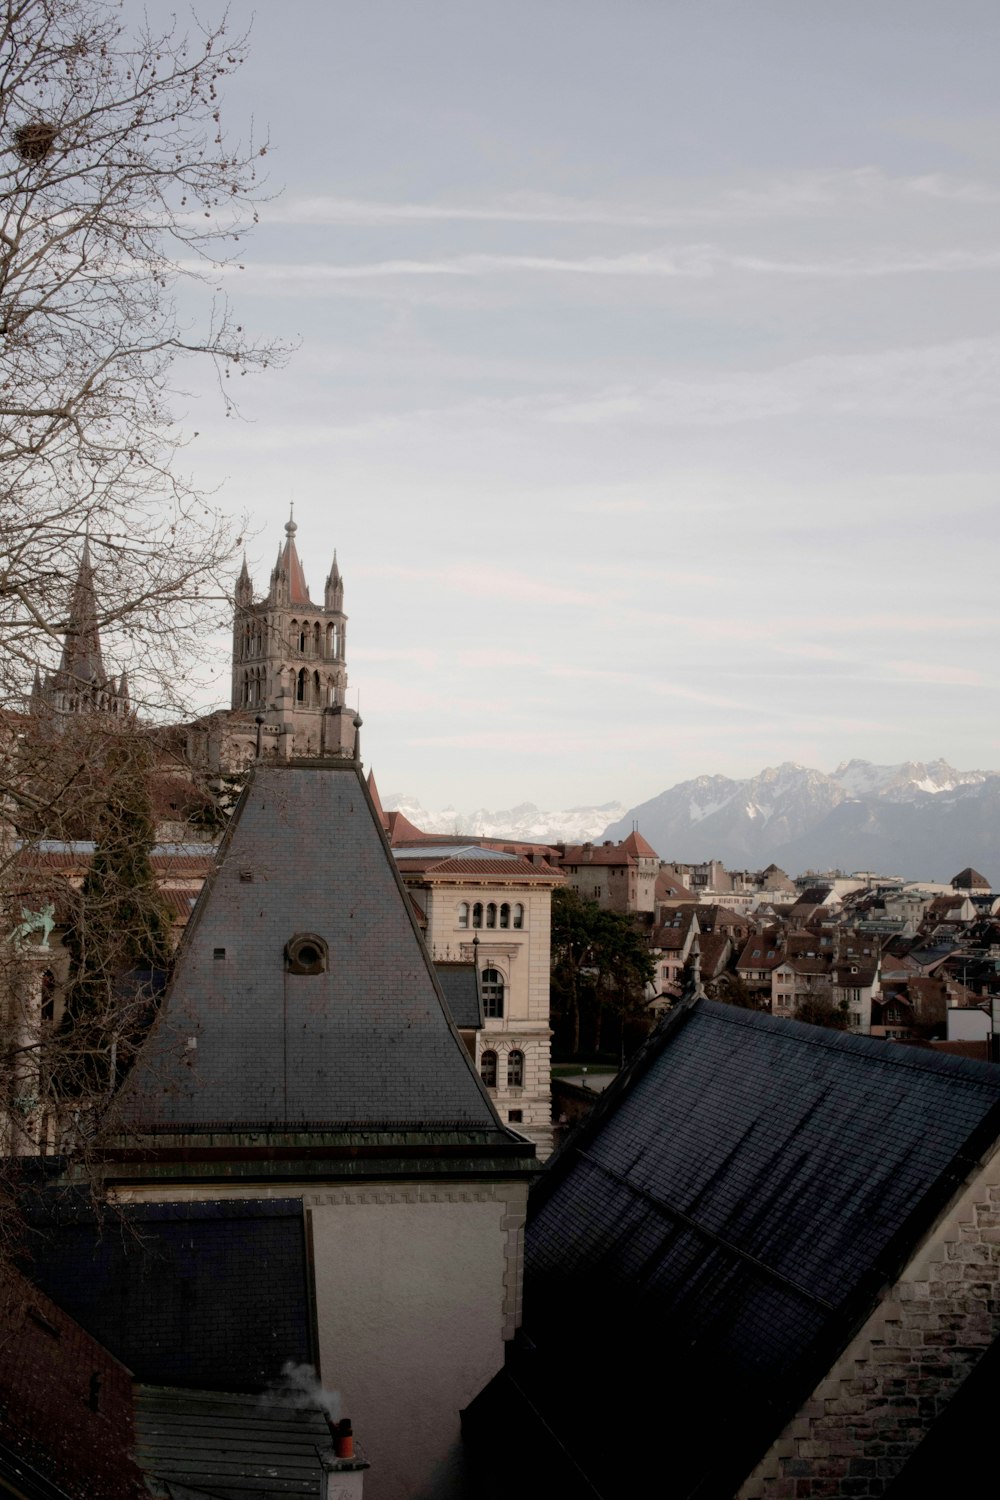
(637, 845)
(597, 854)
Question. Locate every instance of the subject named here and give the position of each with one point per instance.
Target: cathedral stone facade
(289, 661)
(80, 684)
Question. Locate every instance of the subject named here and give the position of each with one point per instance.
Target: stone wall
(869, 1414)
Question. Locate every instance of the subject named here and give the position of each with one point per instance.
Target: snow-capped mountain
(860, 778)
(912, 819)
(526, 821)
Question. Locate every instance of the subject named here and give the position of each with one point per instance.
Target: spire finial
(290, 526)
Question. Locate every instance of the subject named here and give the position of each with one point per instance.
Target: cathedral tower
(80, 684)
(289, 659)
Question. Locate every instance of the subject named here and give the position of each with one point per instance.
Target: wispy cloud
(788, 195)
(688, 262)
(922, 671)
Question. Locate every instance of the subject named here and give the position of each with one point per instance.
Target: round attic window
(306, 953)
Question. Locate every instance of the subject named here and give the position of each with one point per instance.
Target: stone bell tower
(289, 660)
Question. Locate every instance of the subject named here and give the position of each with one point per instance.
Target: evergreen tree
(120, 938)
(601, 966)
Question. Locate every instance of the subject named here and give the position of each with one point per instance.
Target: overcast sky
(647, 380)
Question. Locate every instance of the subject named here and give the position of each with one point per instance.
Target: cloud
(789, 195)
(694, 261)
(922, 671)
(911, 382)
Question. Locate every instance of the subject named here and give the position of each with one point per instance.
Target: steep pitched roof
(970, 879)
(637, 845)
(245, 1040)
(735, 1203)
(81, 660)
(289, 566)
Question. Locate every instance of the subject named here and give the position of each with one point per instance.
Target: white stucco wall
(416, 1288)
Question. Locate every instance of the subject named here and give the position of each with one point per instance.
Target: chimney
(344, 1472)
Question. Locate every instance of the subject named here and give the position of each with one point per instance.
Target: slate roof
(242, 1040)
(460, 985)
(230, 1446)
(716, 1229)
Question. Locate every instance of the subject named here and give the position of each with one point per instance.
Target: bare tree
(118, 189)
(121, 204)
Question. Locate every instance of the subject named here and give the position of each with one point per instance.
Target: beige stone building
(494, 907)
(619, 877)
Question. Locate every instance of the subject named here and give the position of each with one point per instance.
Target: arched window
(477, 914)
(492, 986)
(317, 690)
(246, 687)
(316, 639)
(518, 915)
(330, 640)
(505, 915)
(491, 914)
(515, 1069)
(300, 686)
(302, 640)
(488, 1069)
(463, 914)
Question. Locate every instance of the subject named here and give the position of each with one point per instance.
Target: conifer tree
(120, 939)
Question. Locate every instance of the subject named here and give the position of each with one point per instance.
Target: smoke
(299, 1389)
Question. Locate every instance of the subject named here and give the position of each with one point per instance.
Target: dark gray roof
(242, 1039)
(726, 1217)
(460, 985)
(211, 1443)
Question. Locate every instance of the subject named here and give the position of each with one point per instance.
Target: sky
(646, 381)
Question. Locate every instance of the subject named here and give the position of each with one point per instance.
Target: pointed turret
(82, 663)
(80, 683)
(244, 587)
(334, 593)
(376, 800)
(288, 581)
(124, 702)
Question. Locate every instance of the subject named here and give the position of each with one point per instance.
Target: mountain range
(526, 821)
(919, 820)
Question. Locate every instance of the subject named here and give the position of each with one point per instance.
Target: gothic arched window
(493, 988)
(488, 1069)
(300, 686)
(515, 1069)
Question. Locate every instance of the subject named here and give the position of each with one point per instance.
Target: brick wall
(65, 1403)
(871, 1411)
